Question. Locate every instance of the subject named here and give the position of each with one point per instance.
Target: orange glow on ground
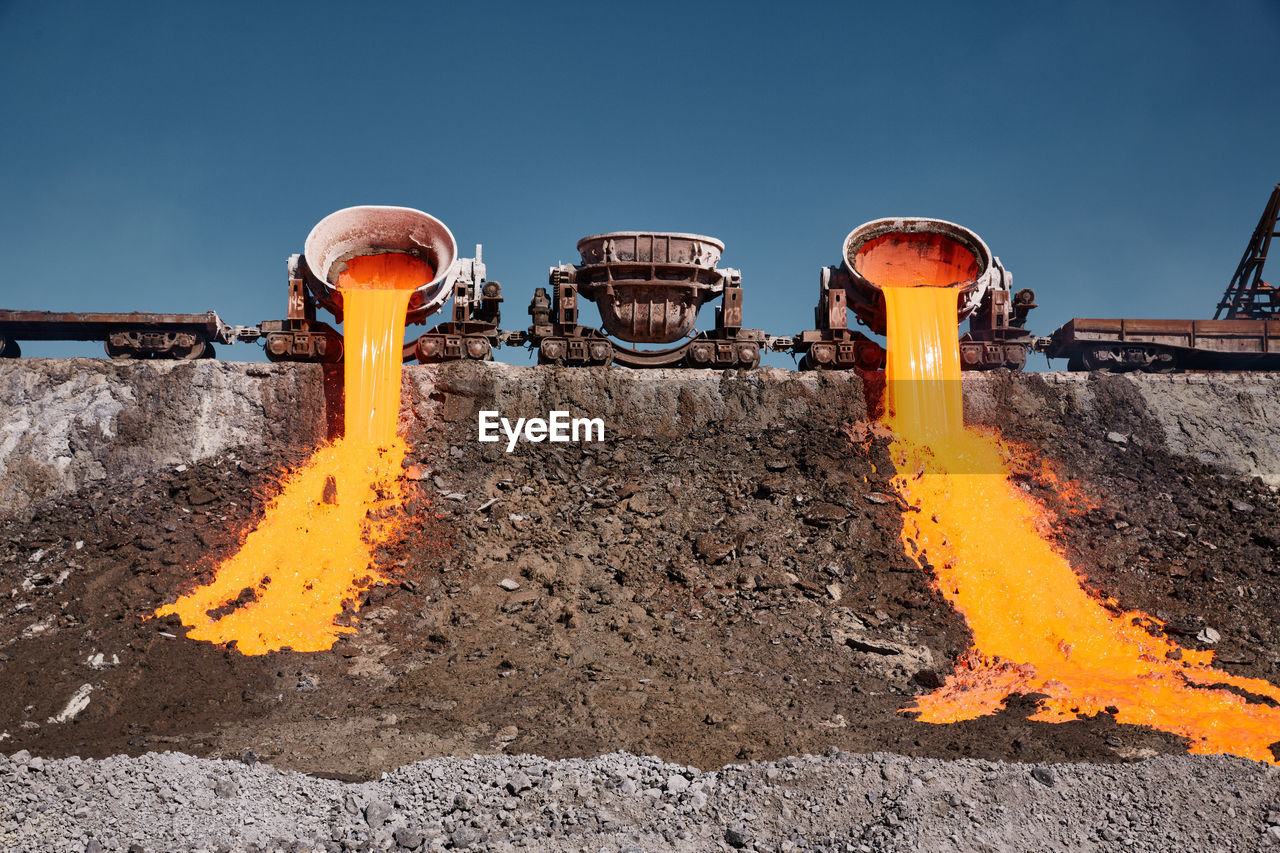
(1035, 628)
(312, 554)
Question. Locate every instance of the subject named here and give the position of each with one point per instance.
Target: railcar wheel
(1098, 358)
(600, 352)
(552, 351)
(1162, 361)
(478, 348)
(808, 362)
(9, 348)
(189, 349)
(821, 356)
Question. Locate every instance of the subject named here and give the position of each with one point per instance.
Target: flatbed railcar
(1244, 333)
(128, 335)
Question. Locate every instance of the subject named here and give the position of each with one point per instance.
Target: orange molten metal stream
(1035, 628)
(312, 554)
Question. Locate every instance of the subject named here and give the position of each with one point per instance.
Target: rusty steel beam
(1247, 295)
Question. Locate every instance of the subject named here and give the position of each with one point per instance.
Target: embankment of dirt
(68, 423)
(720, 580)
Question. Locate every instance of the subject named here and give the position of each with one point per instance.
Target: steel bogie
(288, 340)
(985, 355)
(857, 352)
(139, 343)
(1121, 358)
(439, 347)
(735, 354)
(578, 351)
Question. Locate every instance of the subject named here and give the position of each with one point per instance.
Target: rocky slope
(719, 581)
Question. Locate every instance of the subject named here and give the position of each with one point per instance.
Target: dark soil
(703, 596)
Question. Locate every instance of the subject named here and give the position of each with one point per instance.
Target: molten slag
(1035, 627)
(312, 555)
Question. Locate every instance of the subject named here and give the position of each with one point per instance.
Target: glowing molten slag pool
(313, 552)
(1035, 628)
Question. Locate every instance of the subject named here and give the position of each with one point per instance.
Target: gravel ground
(619, 802)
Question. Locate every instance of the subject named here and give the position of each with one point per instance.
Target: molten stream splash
(1035, 628)
(311, 556)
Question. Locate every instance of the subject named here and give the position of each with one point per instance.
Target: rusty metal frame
(1247, 296)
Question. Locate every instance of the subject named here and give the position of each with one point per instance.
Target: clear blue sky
(168, 156)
